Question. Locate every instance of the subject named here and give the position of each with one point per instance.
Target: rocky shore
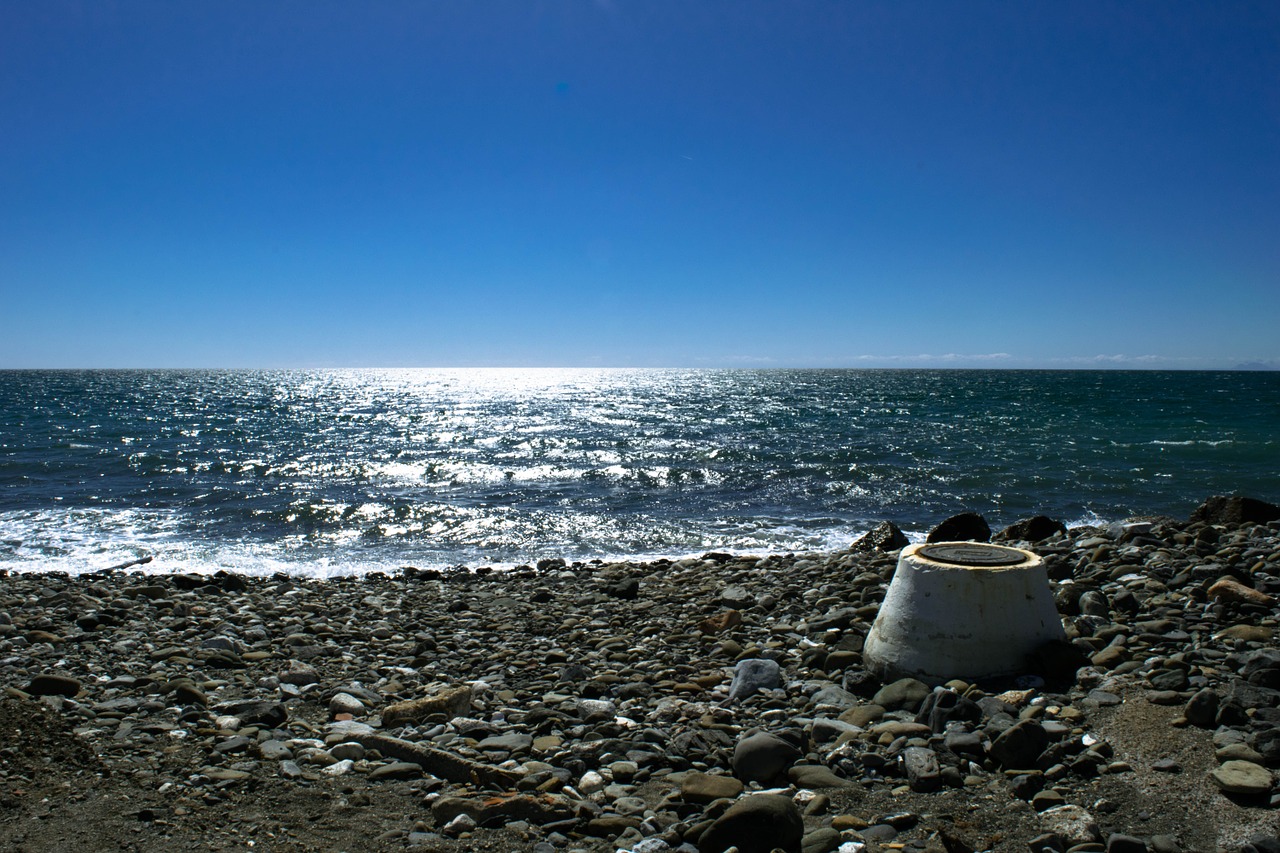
(702, 704)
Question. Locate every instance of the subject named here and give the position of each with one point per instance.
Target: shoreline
(586, 706)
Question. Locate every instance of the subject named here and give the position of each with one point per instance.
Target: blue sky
(627, 183)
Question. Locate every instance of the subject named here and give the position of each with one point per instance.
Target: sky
(636, 183)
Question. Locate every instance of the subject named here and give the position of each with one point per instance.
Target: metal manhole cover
(973, 554)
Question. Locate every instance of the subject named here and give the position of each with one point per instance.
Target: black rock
(1262, 844)
(1032, 529)
(1233, 509)
(758, 824)
(267, 714)
(1020, 745)
(1266, 741)
(1058, 661)
(885, 536)
(1117, 843)
(1027, 785)
(53, 685)
(965, 527)
(627, 589)
(1050, 842)
(945, 706)
(763, 757)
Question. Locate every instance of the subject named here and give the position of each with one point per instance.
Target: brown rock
(720, 622)
(1232, 591)
(705, 788)
(539, 809)
(1249, 633)
(451, 703)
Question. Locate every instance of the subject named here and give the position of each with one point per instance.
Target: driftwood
(141, 561)
(437, 762)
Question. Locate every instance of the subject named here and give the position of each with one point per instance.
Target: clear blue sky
(639, 183)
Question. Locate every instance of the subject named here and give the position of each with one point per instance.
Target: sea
(340, 472)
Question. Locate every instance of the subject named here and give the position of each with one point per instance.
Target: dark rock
(1233, 509)
(1094, 603)
(395, 771)
(821, 840)
(763, 757)
(1020, 745)
(1262, 844)
(1202, 708)
(963, 743)
(626, 589)
(1033, 529)
(816, 776)
(266, 714)
(705, 788)
(758, 824)
(965, 527)
(53, 685)
(1049, 842)
(946, 706)
(1027, 785)
(884, 537)
(1267, 743)
(1117, 843)
(1058, 661)
(921, 766)
(905, 693)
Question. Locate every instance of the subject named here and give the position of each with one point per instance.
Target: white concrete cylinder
(962, 610)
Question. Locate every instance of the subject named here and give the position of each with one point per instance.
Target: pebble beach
(703, 704)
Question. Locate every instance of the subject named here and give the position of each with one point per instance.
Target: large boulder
(1233, 509)
(752, 675)
(1033, 529)
(763, 757)
(758, 824)
(885, 536)
(965, 527)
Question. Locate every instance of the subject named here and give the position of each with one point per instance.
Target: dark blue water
(324, 472)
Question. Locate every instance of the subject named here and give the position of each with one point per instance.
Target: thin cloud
(926, 358)
(1121, 358)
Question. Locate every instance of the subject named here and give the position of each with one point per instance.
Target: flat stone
(506, 808)
(704, 787)
(816, 776)
(1242, 777)
(396, 770)
(450, 703)
(905, 693)
(1232, 591)
(1073, 823)
(514, 742)
(862, 715)
(224, 774)
(1248, 633)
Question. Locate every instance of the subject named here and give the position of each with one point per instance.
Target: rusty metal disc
(973, 554)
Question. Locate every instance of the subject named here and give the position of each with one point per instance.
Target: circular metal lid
(973, 554)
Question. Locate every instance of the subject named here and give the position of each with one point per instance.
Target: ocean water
(350, 471)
